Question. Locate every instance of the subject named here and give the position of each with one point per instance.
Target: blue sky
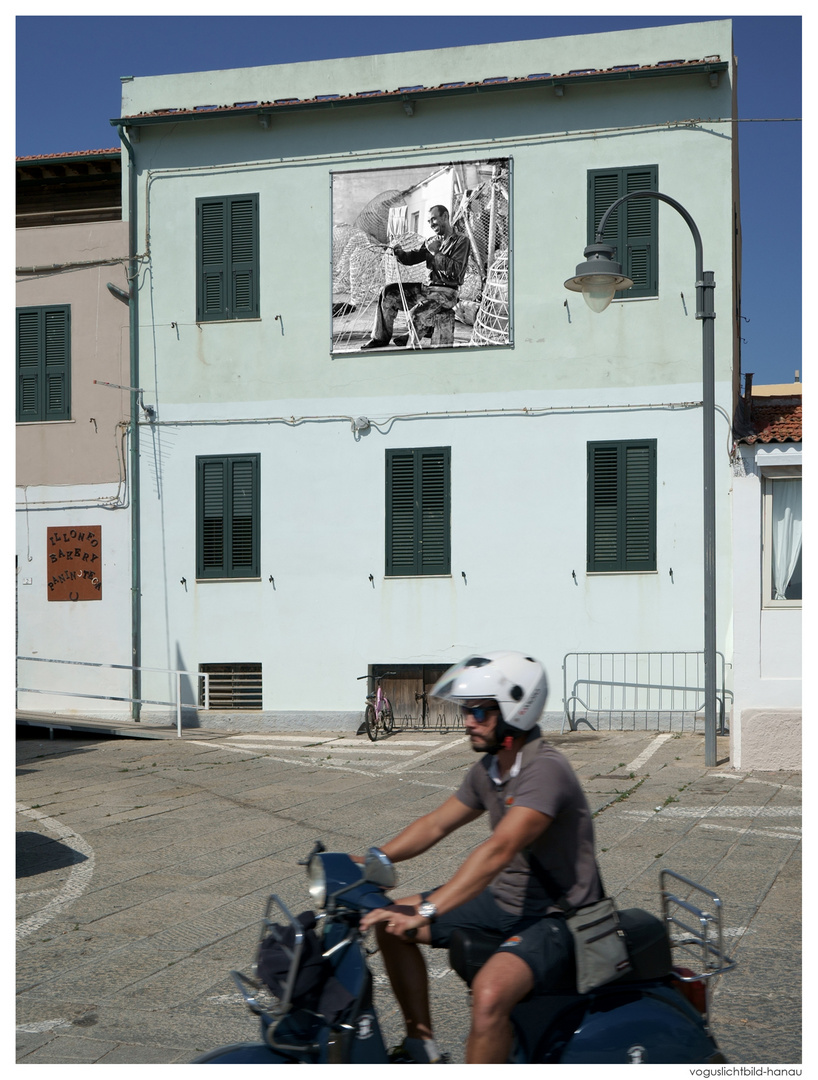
(77, 62)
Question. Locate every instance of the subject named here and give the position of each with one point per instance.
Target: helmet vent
(477, 661)
(516, 693)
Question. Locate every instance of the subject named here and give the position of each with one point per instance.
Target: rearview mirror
(378, 869)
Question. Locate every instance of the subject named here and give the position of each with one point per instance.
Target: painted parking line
(307, 740)
(648, 752)
(36, 1027)
(78, 879)
(422, 758)
(336, 748)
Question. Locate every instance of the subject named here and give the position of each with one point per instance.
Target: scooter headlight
(318, 880)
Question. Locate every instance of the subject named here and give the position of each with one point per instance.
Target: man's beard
(490, 744)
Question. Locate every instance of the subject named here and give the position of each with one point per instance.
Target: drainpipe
(136, 569)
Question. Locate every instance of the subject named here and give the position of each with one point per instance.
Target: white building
(311, 512)
(765, 732)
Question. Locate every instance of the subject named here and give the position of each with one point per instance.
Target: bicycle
(378, 716)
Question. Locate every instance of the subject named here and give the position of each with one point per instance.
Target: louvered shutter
(211, 233)
(621, 506)
(29, 373)
(640, 506)
(211, 515)
(227, 258)
(632, 229)
(44, 363)
(418, 511)
(244, 257)
(244, 517)
(641, 217)
(603, 508)
(227, 516)
(401, 544)
(433, 511)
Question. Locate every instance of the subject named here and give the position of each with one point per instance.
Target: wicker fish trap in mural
(491, 321)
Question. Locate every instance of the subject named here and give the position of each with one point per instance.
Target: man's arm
(519, 828)
(413, 256)
(429, 829)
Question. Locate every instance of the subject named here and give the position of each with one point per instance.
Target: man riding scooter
(538, 859)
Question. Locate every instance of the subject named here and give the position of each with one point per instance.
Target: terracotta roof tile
(774, 421)
(71, 154)
(660, 67)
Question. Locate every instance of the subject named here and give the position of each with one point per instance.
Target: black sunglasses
(479, 712)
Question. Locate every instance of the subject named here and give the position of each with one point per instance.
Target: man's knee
(501, 983)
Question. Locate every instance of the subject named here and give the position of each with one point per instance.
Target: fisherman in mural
(446, 254)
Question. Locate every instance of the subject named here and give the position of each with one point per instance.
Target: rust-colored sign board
(75, 563)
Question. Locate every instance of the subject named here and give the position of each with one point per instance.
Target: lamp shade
(599, 277)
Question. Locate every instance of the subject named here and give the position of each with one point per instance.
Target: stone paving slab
(127, 959)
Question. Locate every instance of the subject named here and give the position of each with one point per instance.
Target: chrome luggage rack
(249, 986)
(701, 943)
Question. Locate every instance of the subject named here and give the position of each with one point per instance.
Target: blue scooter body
(647, 1023)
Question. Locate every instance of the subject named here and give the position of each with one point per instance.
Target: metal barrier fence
(122, 667)
(657, 687)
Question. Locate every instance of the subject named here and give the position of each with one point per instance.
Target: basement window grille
(232, 687)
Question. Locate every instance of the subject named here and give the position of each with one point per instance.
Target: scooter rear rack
(696, 933)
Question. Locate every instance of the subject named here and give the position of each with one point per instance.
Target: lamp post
(598, 278)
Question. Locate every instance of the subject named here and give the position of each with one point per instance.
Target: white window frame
(770, 473)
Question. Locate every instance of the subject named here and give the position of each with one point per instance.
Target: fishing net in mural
(341, 236)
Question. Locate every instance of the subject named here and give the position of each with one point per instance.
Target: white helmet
(516, 682)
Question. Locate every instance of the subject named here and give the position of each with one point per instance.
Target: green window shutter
(401, 539)
(228, 515)
(44, 363)
(418, 510)
(621, 506)
(244, 517)
(633, 227)
(227, 258)
(244, 256)
(433, 511)
(211, 240)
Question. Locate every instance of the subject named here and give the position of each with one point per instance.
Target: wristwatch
(427, 910)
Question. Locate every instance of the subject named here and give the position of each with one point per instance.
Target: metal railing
(657, 687)
(111, 697)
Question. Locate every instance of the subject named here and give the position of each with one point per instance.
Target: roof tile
(774, 421)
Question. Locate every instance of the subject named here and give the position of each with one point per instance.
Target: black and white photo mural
(420, 257)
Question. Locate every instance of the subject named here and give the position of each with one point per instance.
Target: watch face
(427, 910)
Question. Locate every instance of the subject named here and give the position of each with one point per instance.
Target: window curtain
(786, 534)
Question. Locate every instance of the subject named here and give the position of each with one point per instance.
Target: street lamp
(598, 278)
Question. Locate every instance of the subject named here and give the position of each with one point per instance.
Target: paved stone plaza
(143, 866)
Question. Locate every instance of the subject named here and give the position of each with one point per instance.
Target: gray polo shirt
(541, 780)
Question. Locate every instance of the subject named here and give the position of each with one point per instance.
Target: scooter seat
(648, 946)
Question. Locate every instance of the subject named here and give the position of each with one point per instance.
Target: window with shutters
(44, 363)
(228, 508)
(227, 258)
(632, 229)
(621, 506)
(418, 500)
